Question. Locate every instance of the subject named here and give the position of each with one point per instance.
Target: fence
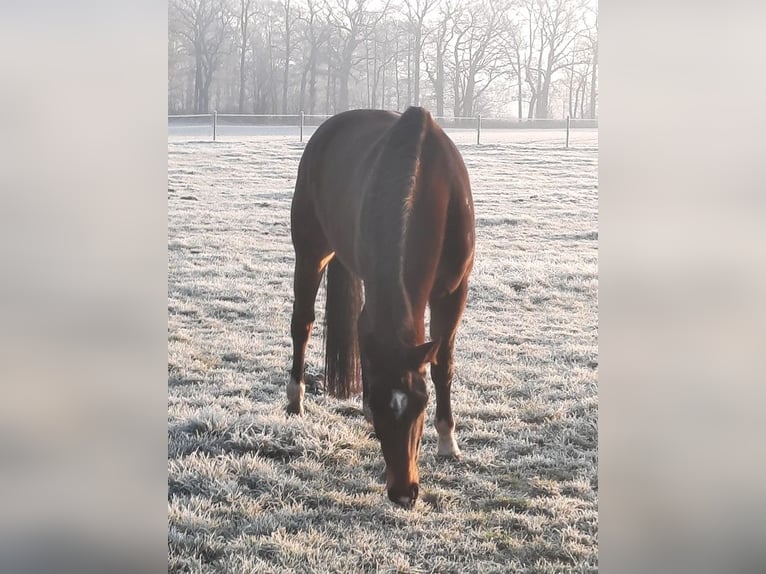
(302, 121)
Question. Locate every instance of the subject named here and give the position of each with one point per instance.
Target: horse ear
(422, 354)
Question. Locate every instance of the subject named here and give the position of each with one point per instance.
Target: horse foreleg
(445, 317)
(308, 274)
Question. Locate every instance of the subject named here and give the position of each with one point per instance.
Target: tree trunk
(343, 95)
(302, 98)
(335, 108)
(345, 74)
(409, 73)
(242, 75)
(286, 74)
(457, 103)
(376, 76)
(573, 111)
(439, 87)
(468, 96)
(593, 83)
(571, 85)
(383, 86)
(255, 83)
(538, 85)
(542, 101)
(396, 74)
(244, 16)
(416, 75)
(189, 104)
(198, 79)
(327, 91)
(518, 67)
(532, 106)
(312, 81)
(367, 70)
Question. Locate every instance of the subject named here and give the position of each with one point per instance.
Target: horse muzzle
(405, 497)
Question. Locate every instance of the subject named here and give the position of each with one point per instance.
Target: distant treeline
(528, 58)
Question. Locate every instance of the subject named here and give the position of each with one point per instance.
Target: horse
(383, 199)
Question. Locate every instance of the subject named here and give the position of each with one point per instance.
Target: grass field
(250, 490)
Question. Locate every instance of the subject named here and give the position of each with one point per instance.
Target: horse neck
(390, 200)
(391, 313)
(390, 299)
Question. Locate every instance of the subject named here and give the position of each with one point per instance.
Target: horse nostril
(414, 492)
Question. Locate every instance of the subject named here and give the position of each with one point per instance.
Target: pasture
(250, 490)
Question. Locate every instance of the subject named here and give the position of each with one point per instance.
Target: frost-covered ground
(250, 490)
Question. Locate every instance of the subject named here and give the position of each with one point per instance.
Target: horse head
(397, 402)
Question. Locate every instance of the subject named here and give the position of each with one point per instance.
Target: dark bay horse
(384, 199)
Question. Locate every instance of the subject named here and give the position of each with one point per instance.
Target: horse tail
(342, 366)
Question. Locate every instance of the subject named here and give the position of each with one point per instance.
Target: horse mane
(392, 196)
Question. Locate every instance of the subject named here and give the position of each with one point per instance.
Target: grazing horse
(384, 198)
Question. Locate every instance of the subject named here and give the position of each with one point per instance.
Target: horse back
(334, 168)
(349, 164)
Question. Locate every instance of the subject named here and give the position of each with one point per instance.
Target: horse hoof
(294, 409)
(446, 445)
(449, 450)
(450, 455)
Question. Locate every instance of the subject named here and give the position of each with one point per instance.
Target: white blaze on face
(398, 403)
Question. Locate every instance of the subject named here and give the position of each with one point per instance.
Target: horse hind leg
(445, 317)
(308, 275)
(363, 328)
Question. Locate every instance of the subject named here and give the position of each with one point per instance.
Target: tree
(554, 27)
(515, 47)
(287, 30)
(593, 43)
(314, 36)
(245, 15)
(417, 11)
(204, 24)
(476, 53)
(281, 56)
(353, 23)
(441, 35)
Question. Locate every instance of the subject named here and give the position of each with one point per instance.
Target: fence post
(215, 122)
(567, 132)
(301, 125)
(478, 129)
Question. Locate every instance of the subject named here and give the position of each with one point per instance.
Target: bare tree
(441, 36)
(314, 36)
(204, 24)
(476, 52)
(383, 54)
(245, 15)
(354, 23)
(417, 12)
(554, 27)
(273, 56)
(515, 45)
(265, 58)
(287, 44)
(578, 73)
(593, 43)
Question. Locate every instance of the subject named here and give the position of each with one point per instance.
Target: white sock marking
(398, 403)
